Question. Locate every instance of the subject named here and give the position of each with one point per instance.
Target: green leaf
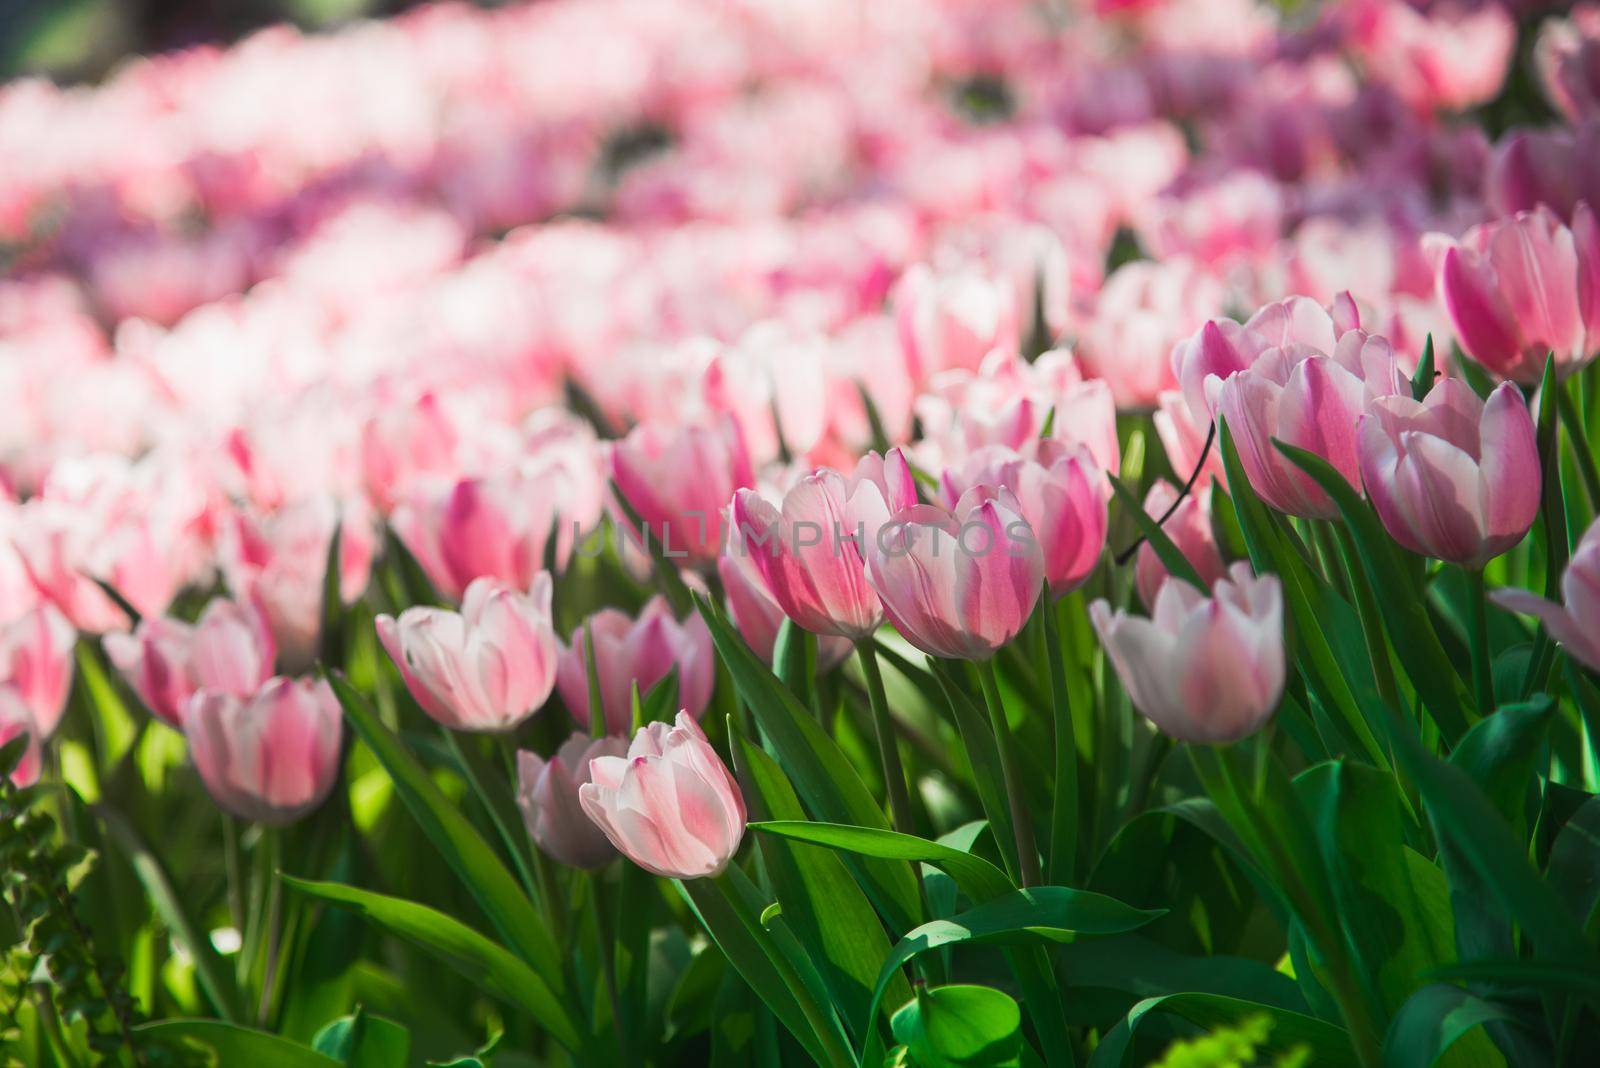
(1171, 556)
(1414, 639)
(977, 737)
(363, 1041)
(330, 635)
(1504, 754)
(821, 774)
(794, 659)
(233, 1044)
(959, 1026)
(215, 977)
(417, 586)
(480, 960)
(1574, 867)
(1431, 1021)
(1422, 380)
(978, 879)
(822, 903)
(463, 848)
(1329, 1045)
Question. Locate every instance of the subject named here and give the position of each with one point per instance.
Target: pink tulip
(487, 667)
(1201, 669)
(809, 554)
(1452, 57)
(771, 382)
(272, 756)
(229, 650)
(953, 320)
(670, 805)
(757, 616)
(957, 584)
(1190, 530)
(1567, 56)
(1522, 287)
(1307, 397)
(278, 562)
(36, 661)
(496, 527)
(1184, 440)
(638, 652)
(403, 443)
(1452, 477)
(1576, 623)
(678, 480)
(1144, 309)
(1062, 496)
(1556, 167)
(15, 719)
(547, 794)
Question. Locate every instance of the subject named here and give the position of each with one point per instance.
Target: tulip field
(935, 533)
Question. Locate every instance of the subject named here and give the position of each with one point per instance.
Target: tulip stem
(1482, 673)
(1578, 438)
(1064, 806)
(894, 776)
(1022, 827)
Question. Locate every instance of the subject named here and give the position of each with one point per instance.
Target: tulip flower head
(636, 652)
(1452, 477)
(229, 650)
(485, 668)
(1202, 669)
(678, 480)
(36, 661)
(272, 756)
(547, 794)
(669, 805)
(17, 719)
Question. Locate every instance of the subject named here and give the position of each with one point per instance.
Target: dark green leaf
(233, 1044)
(1432, 1021)
(961, 1025)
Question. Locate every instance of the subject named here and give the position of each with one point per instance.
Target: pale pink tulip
(1452, 477)
(487, 667)
(809, 552)
(771, 382)
(1521, 288)
(272, 756)
(640, 652)
(403, 443)
(229, 650)
(678, 481)
(1144, 309)
(1201, 669)
(1190, 530)
(547, 794)
(670, 805)
(36, 661)
(756, 615)
(961, 583)
(1451, 57)
(1556, 167)
(1062, 496)
(1184, 440)
(1576, 622)
(952, 321)
(15, 719)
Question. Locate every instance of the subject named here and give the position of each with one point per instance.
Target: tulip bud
(547, 794)
(1201, 669)
(1062, 495)
(957, 584)
(1190, 530)
(1452, 477)
(485, 668)
(670, 805)
(272, 756)
(1522, 288)
(678, 480)
(36, 659)
(1576, 624)
(230, 650)
(640, 652)
(809, 554)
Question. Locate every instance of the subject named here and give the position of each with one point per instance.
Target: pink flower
(809, 553)
(15, 719)
(953, 320)
(278, 561)
(547, 794)
(36, 661)
(757, 615)
(496, 527)
(1201, 669)
(1190, 530)
(1144, 309)
(404, 442)
(1522, 287)
(638, 652)
(272, 756)
(678, 480)
(1452, 477)
(1061, 494)
(771, 382)
(957, 584)
(1451, 58)
(1567, 56)
(1575, 624)
(1556, 167)
(485, 668)
(1184, 439)
(670, 805)
(229, 650)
